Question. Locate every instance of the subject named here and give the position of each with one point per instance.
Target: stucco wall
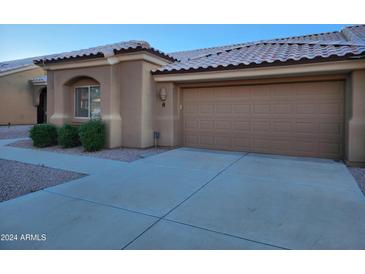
(127, 100)
(138, 98)
(148, 123)
(61, 86)
(356, 124)
(168, 118)
(16, 97)
(131, 103)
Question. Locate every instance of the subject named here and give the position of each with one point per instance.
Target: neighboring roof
(338, 45)
(103, 51)
(15, 64)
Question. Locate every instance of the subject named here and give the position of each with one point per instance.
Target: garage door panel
(190, 124)
(206, 93)
(206, 108)
(206, 124)
(241, 125)
(190, 95)
(279, 146)
(223, 124)
(306, 108)
(282, 126)
(207, 140)
(333, 108)
(223, 141)
(306, 146)
(240, 93)
(280, 108)
(306, 126)
(191, 108)
(224, 94)
(223, 108)
(241, 108)
(261, 126)
(261, 108)
(241, 143)
(191, 139)
(261, 144)
(303, 119)
(327, 148)
(330, 128)
(279, 93)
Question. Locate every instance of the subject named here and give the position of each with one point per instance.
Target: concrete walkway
(189, 199)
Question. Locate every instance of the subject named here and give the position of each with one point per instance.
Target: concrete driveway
(190, 199)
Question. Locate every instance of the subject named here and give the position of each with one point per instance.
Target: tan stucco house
(22, 93)
(302, 96)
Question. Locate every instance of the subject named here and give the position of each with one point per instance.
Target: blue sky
(21, 41)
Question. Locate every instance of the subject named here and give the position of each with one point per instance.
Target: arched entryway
(42, 107)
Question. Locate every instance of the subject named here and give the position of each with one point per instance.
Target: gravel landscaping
(14, 131)
(119, 154)
(17, 178)
(359, 175)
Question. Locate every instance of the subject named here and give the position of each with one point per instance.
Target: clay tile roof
(349, 42)
(94, 52)
(103, 51)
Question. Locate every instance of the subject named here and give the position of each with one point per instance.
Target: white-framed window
(87, 102)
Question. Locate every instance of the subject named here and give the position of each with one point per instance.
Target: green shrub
(92, 135)
(68, 136)
(43, 135)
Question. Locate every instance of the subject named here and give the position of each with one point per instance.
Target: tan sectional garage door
(304, 119)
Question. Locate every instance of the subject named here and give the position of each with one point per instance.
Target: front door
(42, 107)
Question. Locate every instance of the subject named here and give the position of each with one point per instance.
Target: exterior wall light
(163, 96)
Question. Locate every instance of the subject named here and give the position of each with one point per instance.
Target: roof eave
(334, 67)
(263, 64)
(107, 61)
(101, 55)
(43, 62)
